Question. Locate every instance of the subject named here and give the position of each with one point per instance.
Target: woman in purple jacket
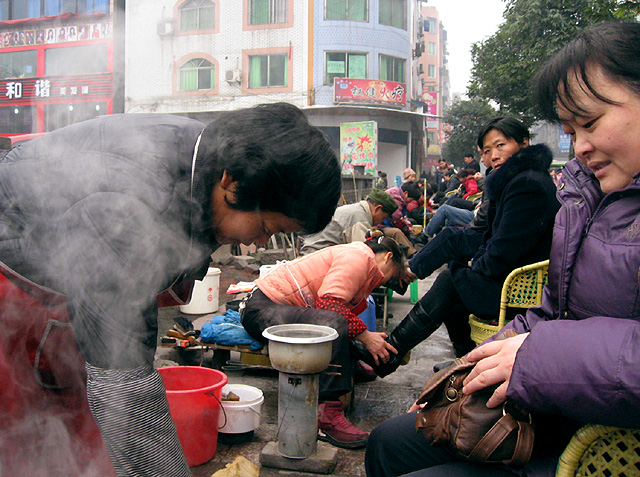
(575, 360)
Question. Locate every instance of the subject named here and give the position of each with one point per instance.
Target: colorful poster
(359, 146)
(431, 98)
(349, 90)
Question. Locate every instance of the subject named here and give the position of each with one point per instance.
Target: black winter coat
(522, 209)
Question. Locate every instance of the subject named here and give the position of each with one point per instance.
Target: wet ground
(373, 402)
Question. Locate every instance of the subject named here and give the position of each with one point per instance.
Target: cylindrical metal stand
(297, 415)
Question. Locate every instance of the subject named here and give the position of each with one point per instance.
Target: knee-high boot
(412, 330)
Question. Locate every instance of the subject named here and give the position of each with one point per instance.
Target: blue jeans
(453, 244)
(450, 216)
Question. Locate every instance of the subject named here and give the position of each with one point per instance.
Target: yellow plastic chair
(597, 451)
(521, 289)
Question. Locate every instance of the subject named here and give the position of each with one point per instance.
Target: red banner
(349, 90)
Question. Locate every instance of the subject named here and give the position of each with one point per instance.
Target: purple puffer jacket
(582, 358)
(398, 195)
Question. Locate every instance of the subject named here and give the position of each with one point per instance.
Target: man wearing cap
(350, 222)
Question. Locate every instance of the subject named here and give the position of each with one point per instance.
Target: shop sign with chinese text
(349, 90)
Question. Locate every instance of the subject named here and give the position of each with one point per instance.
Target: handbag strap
(498, 433)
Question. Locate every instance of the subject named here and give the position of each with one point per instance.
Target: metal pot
(300, 348)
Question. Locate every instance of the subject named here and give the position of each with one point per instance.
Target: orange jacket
(348, 272)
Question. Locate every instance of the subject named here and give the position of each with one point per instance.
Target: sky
(466, 22)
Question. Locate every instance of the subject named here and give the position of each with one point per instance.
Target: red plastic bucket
(194, 395)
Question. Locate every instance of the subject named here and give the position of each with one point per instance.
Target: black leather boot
(412, 330)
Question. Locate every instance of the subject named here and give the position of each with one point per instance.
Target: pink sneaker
(334, 428)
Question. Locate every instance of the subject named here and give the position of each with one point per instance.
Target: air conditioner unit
(232, 76)
(165, 28)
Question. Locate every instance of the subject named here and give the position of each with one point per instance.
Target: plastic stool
(413, 290)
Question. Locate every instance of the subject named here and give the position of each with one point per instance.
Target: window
(394, 13)
(197, 74)
(267, 11)
(432, 48)
(17, 119)
(391, 68)
(18, 9)
(431, 72)
(430, 25)
(344, 65)
(431, 89)
(197, 15)
(60, 115)
(268, 70)
(351, 10)
(76, 60)
(19, 64)
(431, 137)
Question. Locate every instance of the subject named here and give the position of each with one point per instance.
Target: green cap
(380, 197)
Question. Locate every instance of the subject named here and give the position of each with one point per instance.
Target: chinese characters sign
(349, 90)
(431, 98)
(359, 146)
(88, 87)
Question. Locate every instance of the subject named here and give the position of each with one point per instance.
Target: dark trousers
(452, 244)
(442, 304)
(395, 449)
(461, 203)
(262, 313)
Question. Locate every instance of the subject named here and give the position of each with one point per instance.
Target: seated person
(329, 287)
(468, 185)
(409, 175)
(448, 216)
(404, 195)
(452, 184)
(471, 164)
(351, 222)
(519, 188)
(576, 358)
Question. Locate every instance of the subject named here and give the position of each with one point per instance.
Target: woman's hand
(377, 345)
(416, 407)
(494, 363)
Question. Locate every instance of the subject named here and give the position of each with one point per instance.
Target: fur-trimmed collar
(536, 158)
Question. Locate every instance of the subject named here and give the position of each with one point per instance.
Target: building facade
(57, 64)
(343, 61)
(198, 57)
(434, 78)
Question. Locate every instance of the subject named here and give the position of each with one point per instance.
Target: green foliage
(465, 117)
(533, 30)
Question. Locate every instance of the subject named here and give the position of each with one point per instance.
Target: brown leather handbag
(465, 424)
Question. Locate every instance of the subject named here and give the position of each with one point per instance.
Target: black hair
(280, 161)
(413, 189)
(469, 155)
(512, 128)
(464, 173)
(382, 244)
(612, 46)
